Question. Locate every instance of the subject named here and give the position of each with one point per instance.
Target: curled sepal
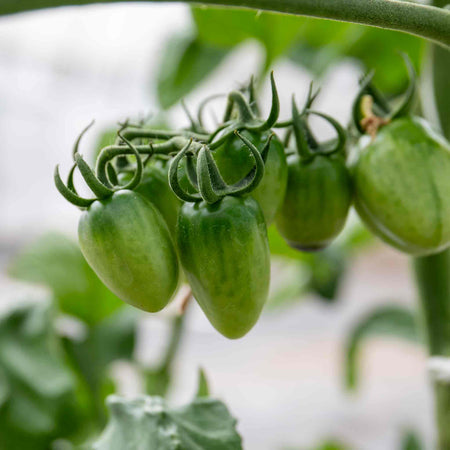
(336, 144)
(70, 182)
(410, 94)
(94, 184)
(77, 142)
(69, 194)
(211, 184)
(173, 177)
(253, 178)
(137, 177)
(191, 171)
(274, 109)
(112, 175)
(299, 127)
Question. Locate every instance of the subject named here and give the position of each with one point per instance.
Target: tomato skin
(155, 188)
(234, 162)
(127, 243)
(225, 255)
(317, 200)
(402, 186)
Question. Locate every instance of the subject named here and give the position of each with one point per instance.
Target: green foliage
(37, 389)
(203, 387)
(56, 262)
(312, 43)
(148, 423)
(91, 357)
(388, 320)
(186, 62)
(411, 442)
(227, 28)
(322, 44)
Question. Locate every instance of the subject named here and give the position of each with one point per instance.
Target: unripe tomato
(234, 162)
(225, 254)
(402, 186)
(154, 186)
(127, 243)
(317, 200)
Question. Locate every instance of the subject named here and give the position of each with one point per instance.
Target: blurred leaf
(37, 388)
(203, 387)
(323, 43)
(331, 445)
(56, 262)
(411, 442)
(328, 445)
(319, 272)
(327, 270)
(158, 379)
(186, 62)
(388, 320)
(148, 423)
(110, 340)
(290, 283)
(227, 27)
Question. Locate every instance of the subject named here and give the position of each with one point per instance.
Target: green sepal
(70, 195)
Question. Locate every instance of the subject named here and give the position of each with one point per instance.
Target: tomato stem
(429, 22)
(433, 283)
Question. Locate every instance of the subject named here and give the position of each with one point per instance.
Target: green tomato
(127, 243)
(402, 186)
(317, 200)
(225, 254)
(235, 161)
(155, 188)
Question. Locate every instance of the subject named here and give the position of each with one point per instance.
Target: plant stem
(433, 272)
(433, 281)
(425, 21)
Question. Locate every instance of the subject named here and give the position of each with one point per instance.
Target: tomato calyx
(372, 111)
(204, 175)
(102, 186)
(307, 146)
(242, 114)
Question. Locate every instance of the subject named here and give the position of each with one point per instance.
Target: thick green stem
(425, 21)
(442, 395)
(433, 272)
(433, 281)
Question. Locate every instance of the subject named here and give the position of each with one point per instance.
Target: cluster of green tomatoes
(202, 200)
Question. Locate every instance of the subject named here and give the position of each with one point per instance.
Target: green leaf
(56, 262)
(388, 320)
(37, 388)
(227, 27)
(203, 387)
(148, 423)
(322, 44)
(411, 442)
(110, 340)
(186, 62)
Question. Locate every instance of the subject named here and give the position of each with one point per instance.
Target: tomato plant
(202, 199)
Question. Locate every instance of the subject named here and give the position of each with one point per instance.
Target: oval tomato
(127, 243)
(318, 197)
(234, 162)
(402, 186)
(225, 255)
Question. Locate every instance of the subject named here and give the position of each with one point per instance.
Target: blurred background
(336, 356)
